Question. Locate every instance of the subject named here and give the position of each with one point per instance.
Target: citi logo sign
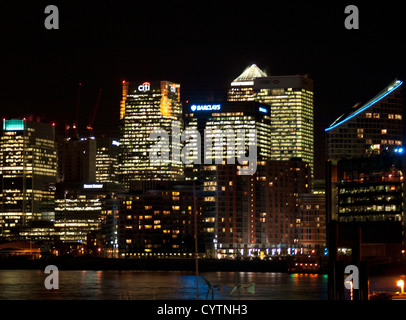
(146, 86)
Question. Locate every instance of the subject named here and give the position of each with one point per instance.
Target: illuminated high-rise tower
(147, 106)
(290, 101)
(28, 175)
(368, 128)
(291, 110)
(242, 88)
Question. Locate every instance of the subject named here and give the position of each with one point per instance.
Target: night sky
(201, 45)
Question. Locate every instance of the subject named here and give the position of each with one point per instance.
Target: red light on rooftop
(53, 124)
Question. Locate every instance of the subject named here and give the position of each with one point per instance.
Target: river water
(155, 285)
(169, 285)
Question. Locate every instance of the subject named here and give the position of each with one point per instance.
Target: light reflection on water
(150, 285)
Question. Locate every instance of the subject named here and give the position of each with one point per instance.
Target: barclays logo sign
(205, 107)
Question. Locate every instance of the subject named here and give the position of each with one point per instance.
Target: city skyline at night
(228, 150)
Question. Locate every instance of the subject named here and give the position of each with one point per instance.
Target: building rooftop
(358, 108)
(250, 73)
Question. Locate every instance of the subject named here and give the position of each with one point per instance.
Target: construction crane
(91, 120)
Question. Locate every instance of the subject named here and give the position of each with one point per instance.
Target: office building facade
(312, 232)
(88, 211)
(219, 119)
(290, 101)
(147, 106)
(161, 222)
(364, 136)
(368, 128)
(77, 160)
(242, 88)
(28, 170)
(371, 206)
(255, 215)
(107, 160)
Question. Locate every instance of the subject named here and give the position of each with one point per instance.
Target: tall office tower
(242, 87)
(220, 118)
(232, 117)
(28, 174)
(107, 153)
(145, 107)
(368, 128)
(290, 99)
(254, 213)
(77, 160)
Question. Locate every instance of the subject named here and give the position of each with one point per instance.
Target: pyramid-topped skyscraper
(242, 88)
(289, 100)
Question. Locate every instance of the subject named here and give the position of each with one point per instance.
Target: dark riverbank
(173, 264)
(153, 264)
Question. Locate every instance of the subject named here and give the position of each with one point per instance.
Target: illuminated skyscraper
(242, 88)
(368, 128)
(247, 214)
(147, 106)
(290, 99)
(364, 187)
(107, 160)
(77, 160)
(28, 175)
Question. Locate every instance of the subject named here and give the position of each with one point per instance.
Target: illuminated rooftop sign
(205, 107)
(264, 110)
(13, 125)
(93, 186)
(146, 86)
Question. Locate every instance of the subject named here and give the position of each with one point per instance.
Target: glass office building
(368, 128)
(290, 100)
(290, 103)
(250, 118)
(242, 88)
(28, 174)
(107, 157)
(146, 106)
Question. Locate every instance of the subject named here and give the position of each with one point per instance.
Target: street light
(401, 284)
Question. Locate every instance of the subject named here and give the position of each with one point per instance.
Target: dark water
(171, 285)
(150, 285)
